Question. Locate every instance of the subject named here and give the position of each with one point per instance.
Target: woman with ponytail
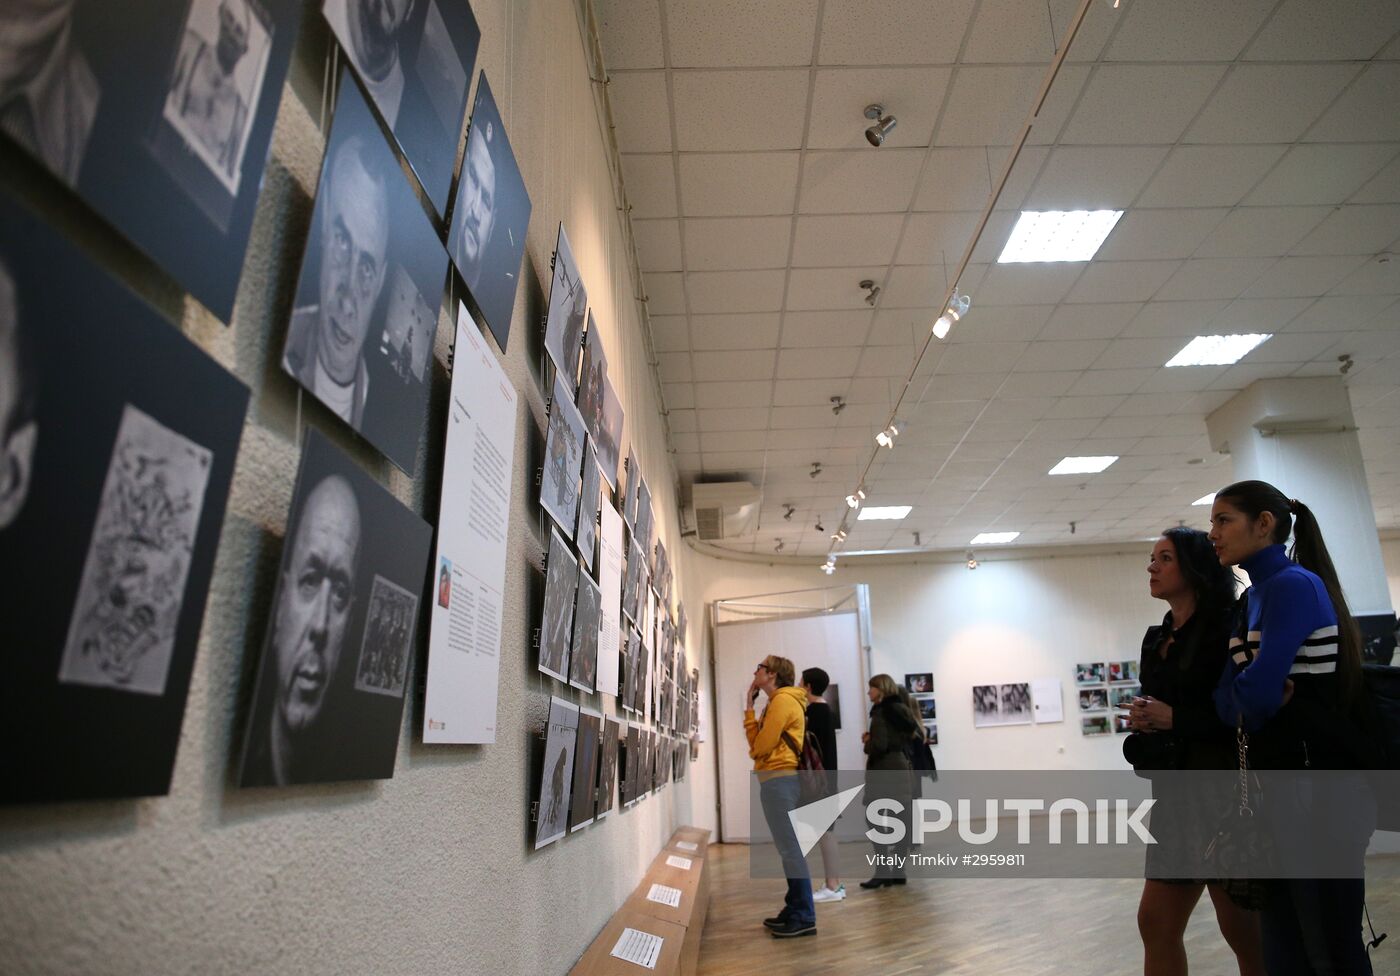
(1294, 686)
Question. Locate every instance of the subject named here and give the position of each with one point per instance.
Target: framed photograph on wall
(556, 772)
(1121, 696)
(1122, 672)
(1094, 725)
(557, 621)
(1087, 675)
(568, 304)
(919, 683)
(1093, 699)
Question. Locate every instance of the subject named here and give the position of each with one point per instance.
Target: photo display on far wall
(583, 807)
(489, 218)
(563, 460)
(556, 626)
(159, 115)
(607, 766)
(365, 314)
(328, 700)
(568, 304)
(415, 59)
(1005, 704)
(118, 440)
(556, 772)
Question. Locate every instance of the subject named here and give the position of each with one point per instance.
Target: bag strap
(1242, 743)
(792, 744)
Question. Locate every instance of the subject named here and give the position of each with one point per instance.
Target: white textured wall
(430, 871)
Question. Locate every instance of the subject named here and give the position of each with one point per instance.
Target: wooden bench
(678, 927)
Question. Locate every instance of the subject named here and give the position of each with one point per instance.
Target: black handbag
(1241, 843)
(1150, 751)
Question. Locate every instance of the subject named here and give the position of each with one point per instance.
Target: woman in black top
(822, 724)
(1175, 727)
(887, 754)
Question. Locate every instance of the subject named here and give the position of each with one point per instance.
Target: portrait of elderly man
(48, 92)
(315, 597)
(325, 343)
(371, 31)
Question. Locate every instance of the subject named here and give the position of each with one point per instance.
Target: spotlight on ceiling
(816, 469)
(957, 308)
(884, 125)
(788, 509)
(820, 527)
(829, 566)
(873, 291)
(853, 500)
(837, 405)
(886, 437)
(971, 560)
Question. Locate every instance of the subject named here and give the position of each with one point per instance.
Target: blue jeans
(780, 795)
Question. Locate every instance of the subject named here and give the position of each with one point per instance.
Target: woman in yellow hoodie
(774, 741)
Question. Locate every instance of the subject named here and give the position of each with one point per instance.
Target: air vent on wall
(727, 510)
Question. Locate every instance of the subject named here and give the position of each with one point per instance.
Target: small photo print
(384, 653)
(122, 631)
(1093, 699)
(920, 683)
(927, 708)
(931, 731)
(1120, 724)
(1094, 725)
(1122, 672)
(1123, 695)
(1090, 674)
(445, 584)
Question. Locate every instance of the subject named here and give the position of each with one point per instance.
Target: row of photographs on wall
(584, 753)
(1104, 724)
(1102, 699)
(160, 117)
(1102, 673)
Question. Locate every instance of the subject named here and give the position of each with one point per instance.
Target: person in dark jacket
(1175, 727)
(822, 724)
(887, 755)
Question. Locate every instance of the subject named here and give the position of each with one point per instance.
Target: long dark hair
(1213, 584)
(1254, 498)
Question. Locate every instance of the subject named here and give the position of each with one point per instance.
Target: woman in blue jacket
(1294, 684)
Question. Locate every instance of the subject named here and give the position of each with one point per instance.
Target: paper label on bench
(641, 948)
(665, 895)
(676, 861)
(686, 845)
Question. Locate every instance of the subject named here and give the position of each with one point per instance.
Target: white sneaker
(826, 894)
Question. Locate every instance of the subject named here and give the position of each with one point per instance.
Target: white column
(1299, 435)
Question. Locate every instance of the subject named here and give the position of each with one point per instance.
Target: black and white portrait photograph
(639, 691)
(631, 761)
(328, 697)
(556, 624)
(1006, 704)
(568, 303)
(556, 772)
(158, 114)
(630, 667)
(634, 582)
(1015, 704)
(641, 528)
(1093, 699)
(387, 646)
(587, 536)
(415, 59)
(591, 379)
(122, 632)
(111, 508)
(629, 500)
(607, 766)
(610, 433)
(490, 215)
(366, 307)
(563, 460)
(1087, 675)
(585, 774)
(583, 657)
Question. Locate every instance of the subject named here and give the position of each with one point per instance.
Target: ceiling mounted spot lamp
(854, 500)
(839, 535)
(872, 292)
(829, 566)
(957, 308)
(884, 125)
(886, 437)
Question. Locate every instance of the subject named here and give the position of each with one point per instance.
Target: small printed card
(665, 895)
(676, 861)
(641, 948)
(686, 845)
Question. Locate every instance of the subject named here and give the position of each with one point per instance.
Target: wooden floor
(962, 927)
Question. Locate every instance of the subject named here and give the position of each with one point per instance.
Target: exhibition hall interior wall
(1012, 619)
(430, 871)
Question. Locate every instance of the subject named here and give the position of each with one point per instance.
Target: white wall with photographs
(332, 878)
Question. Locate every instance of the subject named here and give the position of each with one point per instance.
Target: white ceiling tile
(1010, 31)
(829, 289)
(893, 32)
(982, 357)
(1187, 30)
(1366, 112)
(1203, 279)
(1018, 407)
(1147, 405)
(1104, 321)
(914, 287)
(1257, 315)
(811, 438)
(1303, 30)
(1293, 347)
(732, 418)
(1087, 407)
(674, 367)
(639, 105)
(1379, 276)
(687, 441)
(682, 421)
(1108, 382)
(734, 440)
(735, 291)
(670, 333)
(969, 386)
(994, 237)
(834, 241)
(739, 33)
(630, 32)
(1163, 234)
(679, 396)
(738, 184)
(1027, 284)
(1340, 312)
(750, 331)
(1208, 176)
(863, 181)
(1298, 277)
(665, 293)
(650, 183)
(1384, 187)
(658, 244)
(736, 243)
(1260, 231)
(1134, 353)
(1094, 178)
(1240, 375)
(1320, 174)
(1121, 281)
(739, 110)
(1070, 354)
(1140, 103)
(1354, 230)
(745, 365)
(885, 361)
(755, 393)
(799, 418)
(935, 238)
(955, 179)
(1269, 102)
(898, 327)
(794, 364)
(806, 330)
(999, 322)
(912, 95)
(987, 105)
(804, 393)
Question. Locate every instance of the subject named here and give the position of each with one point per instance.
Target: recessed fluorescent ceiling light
(888, 512)
(1058, 235)
(993, 538)
(1218, 350)
(1083, 465)
(1205, 500)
